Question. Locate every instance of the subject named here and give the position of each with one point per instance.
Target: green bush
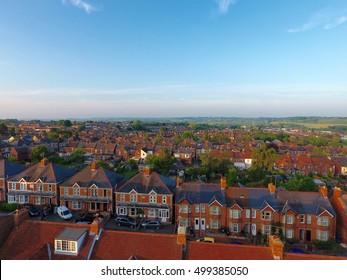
(6, 207)
(330, 245)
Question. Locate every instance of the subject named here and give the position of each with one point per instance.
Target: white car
(64, 213)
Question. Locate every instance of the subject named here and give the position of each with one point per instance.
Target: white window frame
(76, 205)
(325, 221)
(94, 192)
(50, 187)
(289, 219)
(248, 213)
(289, 233)
(66, 191)
(266, 215)
(235, 214)
(302, 219)
(76, 191)
(202, 208)
(152, 213)
(121, 210)
(215, 210)
(197, 208)
(122, 197)
(308, 219)
(214, 223)
(133, 197)
(254, 214)
(23, 199)
(37, 200)
(164, 199)
(66, 246)
(184, 209)
(23, 186)
(324, 235)
(12, 199)
(152, 198)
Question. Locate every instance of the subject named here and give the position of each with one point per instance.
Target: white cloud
(335, 23)
(88, 8)
(223, 5)
(326, 18)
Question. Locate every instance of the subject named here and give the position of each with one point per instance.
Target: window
(235, 214)
(37, 200)
(133, 198)
(152, 199)
(49, 187)
(132, 211)
(94, 192)
(197, 208)
(94, 206)
(254, 213)
(184, 222)
(12, 199)
(202, 208)
(152, 213)
(23, 186)
(289, 219)
(266, 229)
(215, 210)
(66, 191)
(234, 227)
(323, 221)
(121, 210)
(76, 205)
(266, 216)
(66, 246)
(308, 219)
(248, 214)
(23, 199)
(76, 191)
(122, 197)
(289, 233)
(214, 224)
(302, 219)
(247, 228)
(164, 199)
(184, 209)
(39, 187)
(324, 235)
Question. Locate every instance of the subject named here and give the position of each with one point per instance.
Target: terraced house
(90, 189)
(303, 216)
(201, 206)
(147, 193)
(38, 185)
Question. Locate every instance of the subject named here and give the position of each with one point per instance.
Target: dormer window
(94, 192)
(23, 186)
(133, 198)
(69, 241)
(152, 199)
(76, 191)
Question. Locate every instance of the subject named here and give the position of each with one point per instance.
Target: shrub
(330, 245)
(6, 207)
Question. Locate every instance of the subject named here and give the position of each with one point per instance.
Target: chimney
(147, 171)
(93, 166)
(337, 192)
(272, 188)
(276, 246)
(223, 183)
(178, 181)
(44, 162)
(324, 191)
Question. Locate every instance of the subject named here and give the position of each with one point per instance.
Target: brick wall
(6, 226)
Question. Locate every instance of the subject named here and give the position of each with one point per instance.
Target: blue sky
(172, 58)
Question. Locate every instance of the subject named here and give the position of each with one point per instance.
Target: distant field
(308, 125)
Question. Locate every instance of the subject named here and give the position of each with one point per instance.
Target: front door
(196, 223)
(254, 229)
(163, 214)
(302, 234)
(202, 224)
(308, 235)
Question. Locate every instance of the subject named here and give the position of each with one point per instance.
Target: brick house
(7, 169)
(201, 206)
(339, 202)
(38, 181)
(301, 215)
(91, 189)
(147, 193)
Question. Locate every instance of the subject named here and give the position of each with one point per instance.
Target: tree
(301, 183)
(264, 158)
(232, 176)
(161, 162)
(39, 152)
(3, 129)
(66, 123)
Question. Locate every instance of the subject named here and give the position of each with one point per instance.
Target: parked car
(88, 218)
(126, 221)
(206, 239)
(33, 211)
(151, 224)
(64, 213)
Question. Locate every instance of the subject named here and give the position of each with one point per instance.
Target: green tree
(264, 158)
(301, 183)
(39, 152)
(232, 176)
(3, 129)
(161, 162)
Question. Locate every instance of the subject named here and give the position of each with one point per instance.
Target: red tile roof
(119, 245)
